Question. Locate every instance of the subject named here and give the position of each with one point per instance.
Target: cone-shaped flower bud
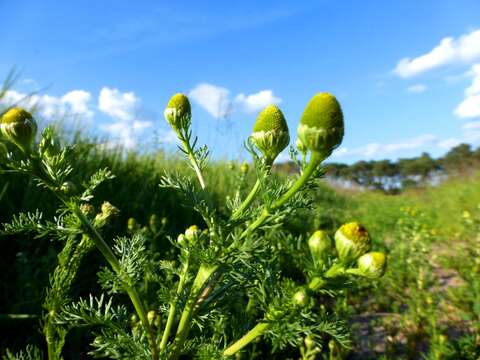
(270, 132)
(372, 265)
(321, 125)
(19, 127)
(320, 245)
(178, 112)
(351, 241)
(192, 233)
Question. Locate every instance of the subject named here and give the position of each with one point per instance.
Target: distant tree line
(395, 176)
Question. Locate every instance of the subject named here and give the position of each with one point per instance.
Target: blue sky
(407, 73)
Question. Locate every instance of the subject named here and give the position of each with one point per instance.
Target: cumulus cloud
(255, 102)
(123, 108)
(218, 102)
(73, 103)
(417, 88)
(464, 49)
(214, 99)
(470, 106)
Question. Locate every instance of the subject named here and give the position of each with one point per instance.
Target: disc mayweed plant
(226, 290)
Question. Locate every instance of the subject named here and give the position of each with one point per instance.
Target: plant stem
(193, 160)
(248, 200)
(246, 339)
(173, 308)
(113, 261)
(203, 275)
(314, 161)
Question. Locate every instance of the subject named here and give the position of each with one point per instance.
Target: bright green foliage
(214, 291)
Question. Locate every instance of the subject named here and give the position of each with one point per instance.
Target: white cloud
(376, 149)
(417, 88)
(218, 103)
(255, 102)
(470, 106)
(73, 103)
(121, 106)
(464, 49)
(214, 99)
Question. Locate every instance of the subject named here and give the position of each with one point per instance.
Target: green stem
(112, 260)
(173, 308)
(203, 275)
(193, 160)
(314, 161)
(257, 331)
(248, 200)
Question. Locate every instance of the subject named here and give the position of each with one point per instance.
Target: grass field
(426, 306)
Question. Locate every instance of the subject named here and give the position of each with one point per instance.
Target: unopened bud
(192, 233)
(321, 125)
(164, 221)
(68, 188)
(371, 265)
(244, 168)
(320, 245)
(270, 132)
(309, 342)
(181, 239)
(19, 127)
(152, 314)
(178, 112)
(301, 298)
(131, 224)
(109, 210)
(351, 241)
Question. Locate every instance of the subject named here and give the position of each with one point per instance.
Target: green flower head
(192, 233)
(320, 245)
(19, 127)
(351, 241)
(178, 112)
(321, 125)
(372, 265)
(270, 132)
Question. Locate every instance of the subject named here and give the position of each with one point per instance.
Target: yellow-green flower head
(87, 209)
(320, 244)
(178, 112)
(372, 265)
(192, 233)
(321, 125)
(19, 127)
(270, 132)
(351, 241)
(151, 316)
